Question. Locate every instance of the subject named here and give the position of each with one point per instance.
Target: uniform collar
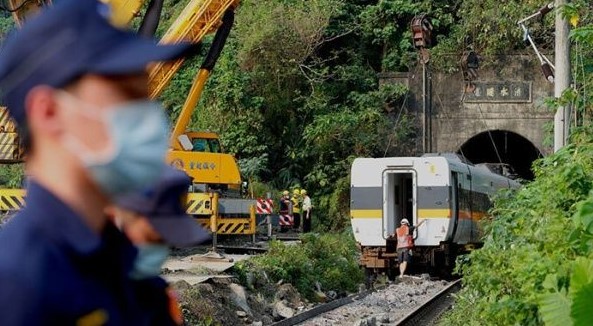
(67, 228)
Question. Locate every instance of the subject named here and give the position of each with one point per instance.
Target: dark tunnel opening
(512, 148)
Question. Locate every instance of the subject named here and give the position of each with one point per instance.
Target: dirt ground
(210, 294)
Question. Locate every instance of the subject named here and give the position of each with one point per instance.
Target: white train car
(450, 195)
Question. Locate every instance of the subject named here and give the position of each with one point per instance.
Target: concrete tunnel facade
(504, 119)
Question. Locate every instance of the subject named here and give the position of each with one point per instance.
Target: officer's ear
(42, 109)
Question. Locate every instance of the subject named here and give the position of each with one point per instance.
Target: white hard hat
(405, 221)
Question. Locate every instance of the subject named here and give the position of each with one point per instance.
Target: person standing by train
(405, 243)
(306, 210)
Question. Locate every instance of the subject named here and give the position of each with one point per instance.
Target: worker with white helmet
(405, 243)
(306, 211)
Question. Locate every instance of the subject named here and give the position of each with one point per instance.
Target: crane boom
(199, 18)
(216, 194)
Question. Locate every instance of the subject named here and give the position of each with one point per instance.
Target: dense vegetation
(326, 261)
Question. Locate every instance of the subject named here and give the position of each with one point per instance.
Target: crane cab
(202, 157)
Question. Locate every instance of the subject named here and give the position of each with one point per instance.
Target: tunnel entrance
(502, 146)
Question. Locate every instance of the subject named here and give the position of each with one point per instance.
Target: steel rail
(321, 309)
(429, 312)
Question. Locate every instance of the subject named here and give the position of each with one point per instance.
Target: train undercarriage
(437, 261)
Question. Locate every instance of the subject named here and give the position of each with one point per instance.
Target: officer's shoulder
(23, 246)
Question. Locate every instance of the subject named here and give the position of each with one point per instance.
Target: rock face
(239, 297)
(282, 311)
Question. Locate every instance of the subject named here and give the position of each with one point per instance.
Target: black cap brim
(180, 231)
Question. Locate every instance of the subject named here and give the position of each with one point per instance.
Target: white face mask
(149, 261)
(138, 139)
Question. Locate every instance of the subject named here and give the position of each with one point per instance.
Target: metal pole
(269, 218)
(562, 77)
(429, 104)
(424, 109)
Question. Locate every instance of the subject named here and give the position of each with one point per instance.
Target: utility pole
(421, 28)
(562, 76)
(427, 108)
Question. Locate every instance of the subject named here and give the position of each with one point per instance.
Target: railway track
(429, 310)
(321, 309)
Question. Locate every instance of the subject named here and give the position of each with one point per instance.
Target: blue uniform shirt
(54, 270)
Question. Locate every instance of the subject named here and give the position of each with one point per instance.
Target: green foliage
(387, 25)
(295, 94)
(329, 259)
(11, 176)
(6, 25)
(490, 27)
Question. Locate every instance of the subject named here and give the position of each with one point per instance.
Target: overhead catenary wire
(399, 115)
(489, 133)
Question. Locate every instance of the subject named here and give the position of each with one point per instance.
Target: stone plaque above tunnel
(500, 92)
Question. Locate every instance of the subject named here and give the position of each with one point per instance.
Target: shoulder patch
(95, 318)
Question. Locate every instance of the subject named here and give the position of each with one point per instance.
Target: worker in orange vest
(405, 243)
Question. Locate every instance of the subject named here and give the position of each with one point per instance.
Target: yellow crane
(215, 200)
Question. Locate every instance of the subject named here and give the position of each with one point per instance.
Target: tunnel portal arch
(502, 146)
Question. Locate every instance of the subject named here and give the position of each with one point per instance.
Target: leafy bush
(329, 259)
(525, 273)
(11, 175)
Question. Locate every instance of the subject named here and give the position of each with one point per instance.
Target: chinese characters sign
(501, 92)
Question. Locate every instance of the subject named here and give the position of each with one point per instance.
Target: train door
(463, 228)
(454, 202)
(399, 199)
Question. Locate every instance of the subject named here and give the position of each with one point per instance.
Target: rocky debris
(372, 321)
(205, 302)
(320, 296)
(257, 323)
(282, 311)
(332, 295)
(241, 314)
(289, 293)
(239, 297)
(250, 280)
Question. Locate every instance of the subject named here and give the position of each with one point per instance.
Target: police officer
(77, 88)
(154, 220)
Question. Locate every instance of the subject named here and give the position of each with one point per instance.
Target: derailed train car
(451, 195)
